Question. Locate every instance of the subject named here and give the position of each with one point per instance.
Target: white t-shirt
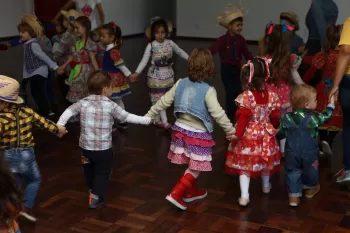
(89, 9)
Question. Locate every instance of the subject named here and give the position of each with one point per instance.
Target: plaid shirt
(97, 114)
(317, 119)
(26, 118)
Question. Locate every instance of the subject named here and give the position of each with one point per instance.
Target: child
(100, 51)
(60, 29)
(231, 47)
(297, 43)
(16, 123)
(11, 200)
(284, 73)
(255, 151)
(160, 74)
(62, 49)
(83, 61)
(36, 62)
(97, 111)
(111, 38)
(300, 128)
(195, 107)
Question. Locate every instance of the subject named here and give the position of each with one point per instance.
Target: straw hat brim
(68, 14)
(19, 100)
(148, 31)
(226, 19)
(292, 18)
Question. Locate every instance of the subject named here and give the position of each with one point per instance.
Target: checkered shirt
(97, 114)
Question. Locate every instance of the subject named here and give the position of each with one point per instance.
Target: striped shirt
(317, 119)
(27, 118)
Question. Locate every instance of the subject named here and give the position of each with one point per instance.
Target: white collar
(109, 47)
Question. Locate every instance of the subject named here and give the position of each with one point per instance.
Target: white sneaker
(243, 202)
(326, 148)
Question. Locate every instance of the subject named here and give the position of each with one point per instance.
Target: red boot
(176, 195)
(194, 193)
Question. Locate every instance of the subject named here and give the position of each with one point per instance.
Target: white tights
(244, 182)
(161, 117)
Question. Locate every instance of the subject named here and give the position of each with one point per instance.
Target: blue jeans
(23, 165)
(344, 100)
(301, 171)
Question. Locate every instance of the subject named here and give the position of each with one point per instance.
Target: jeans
(22, 164)
(301, 171)
(38, 91)
(230, 75)
(98, 170)
(344, 99)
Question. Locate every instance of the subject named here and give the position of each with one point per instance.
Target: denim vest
(299, 139)
(190, 98)
(31, 61)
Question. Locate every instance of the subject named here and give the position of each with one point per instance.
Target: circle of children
(275, 112)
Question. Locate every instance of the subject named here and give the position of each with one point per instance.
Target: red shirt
(243, 115)
(231, 49)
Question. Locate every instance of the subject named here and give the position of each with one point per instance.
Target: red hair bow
(114, 26)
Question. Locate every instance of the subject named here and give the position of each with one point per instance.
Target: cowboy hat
(9, 89)
(71, 15)
(35, 24)
(292, 17)
(231, 13)
(148, 31)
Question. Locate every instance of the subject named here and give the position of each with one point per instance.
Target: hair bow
(267, 67)
(271, 26)
(114, 26)
(251, 70)
(286, 27)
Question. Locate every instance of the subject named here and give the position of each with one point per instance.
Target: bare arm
(101, 13)
(66, 7)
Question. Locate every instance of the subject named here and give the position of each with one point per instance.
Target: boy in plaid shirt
(300, 128)
(97, 114)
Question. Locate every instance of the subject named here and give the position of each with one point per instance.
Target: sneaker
(243, 202)
(294, 201)
(266, 190)
(310, 193)
(95, 203)
(26, 213)
(326, 148)
(344, 177)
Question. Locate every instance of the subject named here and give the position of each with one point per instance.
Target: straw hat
(231, 12)
(71, 15)
(148, 31)
(9, 89)
(292, 17)
(35, 24)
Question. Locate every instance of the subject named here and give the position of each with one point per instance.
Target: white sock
(244, 181)
(163, 117)
(265, 181)
(282, 144)
(194, 173)
(120, 103)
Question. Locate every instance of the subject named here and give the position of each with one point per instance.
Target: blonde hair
(300, 95)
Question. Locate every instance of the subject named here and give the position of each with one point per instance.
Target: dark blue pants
(230, 76)
(344, 99)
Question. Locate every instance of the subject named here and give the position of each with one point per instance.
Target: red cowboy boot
(176, 195)
(193, 193)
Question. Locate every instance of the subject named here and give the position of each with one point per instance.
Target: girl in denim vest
(195, 108)
(255, 151)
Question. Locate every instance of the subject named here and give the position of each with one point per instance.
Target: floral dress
(81, 69)
(256, 153)
(327, 64)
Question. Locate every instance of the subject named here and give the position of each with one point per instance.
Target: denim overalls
(301, 157)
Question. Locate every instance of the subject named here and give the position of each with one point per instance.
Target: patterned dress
(327, 64)
(81, 69)
(160, 74)
(256, 153)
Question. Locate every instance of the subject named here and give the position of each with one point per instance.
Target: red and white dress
(256, 151)
(326, 64)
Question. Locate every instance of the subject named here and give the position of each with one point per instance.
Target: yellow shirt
(345, 38)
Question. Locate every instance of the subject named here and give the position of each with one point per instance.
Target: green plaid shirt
(317, 119)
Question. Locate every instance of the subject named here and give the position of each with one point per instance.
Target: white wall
(11, 12)
(131, 15)
(197, 18)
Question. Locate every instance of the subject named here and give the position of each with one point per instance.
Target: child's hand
(60, 70)
(332, 100)
(134, 77)
(148, 120)
(231, 137)
(61, 131)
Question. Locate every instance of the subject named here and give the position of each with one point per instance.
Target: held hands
(333, 94)
(61, 131)
(134, 77)
(60, 70)
(231, 137)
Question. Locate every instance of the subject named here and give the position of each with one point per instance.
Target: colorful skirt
(160, 81)
(192, 148)
(78, 86)
(120, 86)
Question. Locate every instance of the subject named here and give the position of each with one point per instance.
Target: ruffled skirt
(192, 148)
